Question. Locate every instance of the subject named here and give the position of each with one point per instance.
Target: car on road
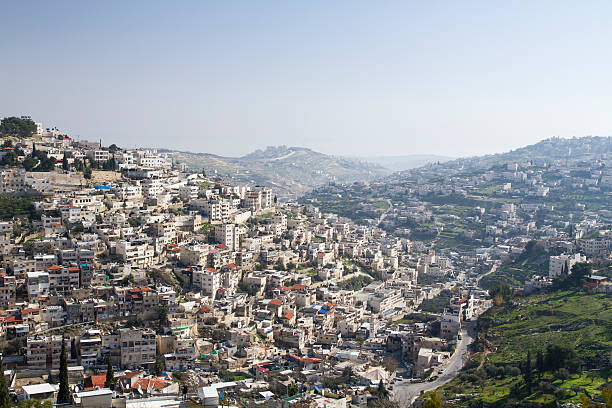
(434, 378)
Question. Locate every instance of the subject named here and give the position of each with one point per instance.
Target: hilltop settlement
(128, 280)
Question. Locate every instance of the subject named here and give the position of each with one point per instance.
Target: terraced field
(581, 320)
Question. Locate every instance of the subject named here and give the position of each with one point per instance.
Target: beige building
(137, 346)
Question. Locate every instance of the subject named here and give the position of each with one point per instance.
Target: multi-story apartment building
(62, 279)
(562, 264)
(130, 192)
(258, 199)
(36, 352)
(7, 292)
(38, 284)
(188, 192)
(194, 254)
(152, 159)
(90, 347)
(19, 266)
(136, 253)
(217, 209)
(229, 235)
(6, 227)
(45, 351)
(138, 347)
(595, 247)
(208, 280)
(98, 155)
(386, 301)
(53, 315)
(152, 187)
(12, 180)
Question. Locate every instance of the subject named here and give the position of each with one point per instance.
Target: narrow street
(406, 392)
(384, 214)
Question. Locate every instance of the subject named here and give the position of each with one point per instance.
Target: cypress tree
(382, 390)
(110, 375)
(63, 396)
(540, 364)
(527, 372)
(5, 400)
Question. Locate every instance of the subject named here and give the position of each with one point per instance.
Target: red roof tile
(94, 381)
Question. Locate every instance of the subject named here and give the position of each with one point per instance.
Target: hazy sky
(354, 78)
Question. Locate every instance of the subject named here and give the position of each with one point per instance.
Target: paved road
(493, 269)
(406, 392)
(384, 214)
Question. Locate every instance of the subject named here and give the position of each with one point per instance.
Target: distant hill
(550, 151)
(547, 151)
(400, 163)
(290, 171)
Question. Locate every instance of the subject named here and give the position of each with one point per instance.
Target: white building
(136, 253)
(38, 285)
(208, 280)
(562, 264)
(228, 234)
(12, 180)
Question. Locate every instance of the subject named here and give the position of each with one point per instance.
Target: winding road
(384, 214)
(406, 392)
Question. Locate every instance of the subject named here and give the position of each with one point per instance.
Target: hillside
(553, 150)
(407, 162)
(290, 171)
(577, 321)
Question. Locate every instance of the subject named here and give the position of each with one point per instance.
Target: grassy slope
(585, 320)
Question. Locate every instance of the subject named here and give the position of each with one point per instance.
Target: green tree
(528, 372)
(382, 391)
(29, 163)
(561, 356)
(540, 363)
(503, 292)
(87, 172)
(562, 374)
(432, 401)
(160, 367)
(162, 313)
(5, 400)
(63, 395)
(17, 127)
(73, 349)
(65, 165)
(580, 271)
(109, 382)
